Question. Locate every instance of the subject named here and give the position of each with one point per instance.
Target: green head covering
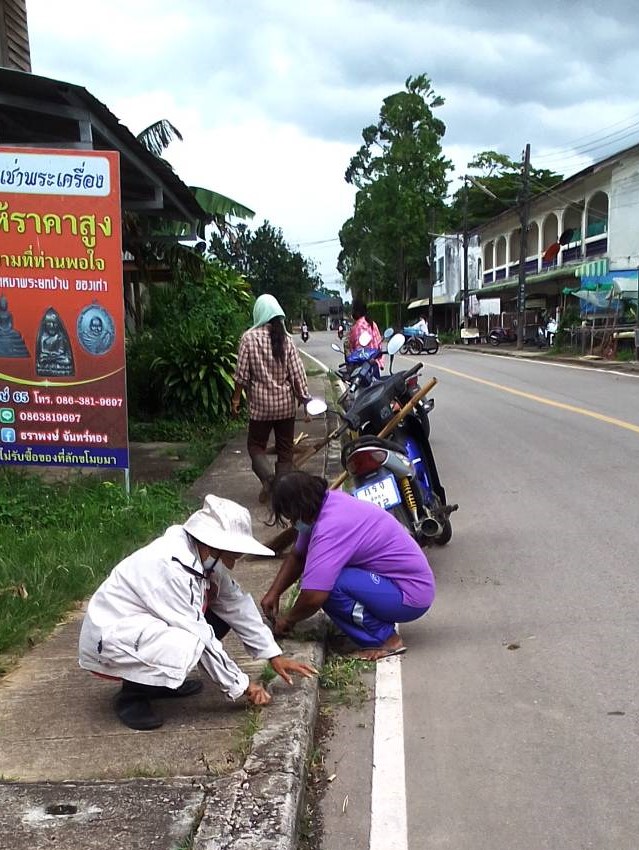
(266, 308)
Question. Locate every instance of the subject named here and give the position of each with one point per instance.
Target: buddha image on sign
(11, 342)
(54, 356)
(96, 331)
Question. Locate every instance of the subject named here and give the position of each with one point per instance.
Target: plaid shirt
(271, 386)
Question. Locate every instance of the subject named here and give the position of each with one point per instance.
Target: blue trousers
(366, 607)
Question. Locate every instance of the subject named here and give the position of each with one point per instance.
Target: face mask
(209, 563)
(303, 527)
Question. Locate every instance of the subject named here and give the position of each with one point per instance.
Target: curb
(260, 805)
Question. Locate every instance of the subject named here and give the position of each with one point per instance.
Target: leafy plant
(182, 365)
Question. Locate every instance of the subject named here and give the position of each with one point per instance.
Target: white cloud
(271, 95)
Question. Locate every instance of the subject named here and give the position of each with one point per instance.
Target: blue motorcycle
(397, 473)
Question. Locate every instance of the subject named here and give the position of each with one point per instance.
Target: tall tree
(265, 259)
(400, 174)
(501, 176)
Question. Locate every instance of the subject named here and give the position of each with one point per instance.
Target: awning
(595, 268)
(438, 301)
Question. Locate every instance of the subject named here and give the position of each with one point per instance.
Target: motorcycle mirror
(388, 333)
(395, 343)
(364, 338)
(316, 406)
(336, 347)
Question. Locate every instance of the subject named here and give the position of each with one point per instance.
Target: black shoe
(187, 689)
(135, 712)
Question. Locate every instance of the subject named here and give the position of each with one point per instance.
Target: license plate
(382, 492)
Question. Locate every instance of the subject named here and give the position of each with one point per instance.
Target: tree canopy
(500, 176)
(400, 174)
(270, 265)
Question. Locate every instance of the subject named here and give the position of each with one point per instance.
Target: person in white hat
(167, 606)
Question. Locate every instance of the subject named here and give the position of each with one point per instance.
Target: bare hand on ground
(284, 666)
(282, 627)
(257, 695)
(271, 606)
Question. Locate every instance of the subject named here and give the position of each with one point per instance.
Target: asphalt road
(520, 690)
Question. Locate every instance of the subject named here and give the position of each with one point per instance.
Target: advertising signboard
(62, 361)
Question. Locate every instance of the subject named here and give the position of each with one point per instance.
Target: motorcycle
(340, 332)
(497, 336)
(418, 342)
(304, 333)
(397, 473)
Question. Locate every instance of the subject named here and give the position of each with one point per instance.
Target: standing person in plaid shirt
(270, 369)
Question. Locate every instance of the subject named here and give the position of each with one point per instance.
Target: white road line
(388, 796)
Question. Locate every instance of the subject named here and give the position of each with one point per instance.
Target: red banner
(62, 360)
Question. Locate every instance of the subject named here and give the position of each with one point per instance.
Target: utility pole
(523, 217)
(432, 272)
(465, 252)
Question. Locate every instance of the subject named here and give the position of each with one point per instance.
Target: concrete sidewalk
(72, 776)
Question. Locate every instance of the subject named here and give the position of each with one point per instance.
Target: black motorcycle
(397, 473)
(498, 336)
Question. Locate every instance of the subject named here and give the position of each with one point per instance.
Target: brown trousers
(259, 430)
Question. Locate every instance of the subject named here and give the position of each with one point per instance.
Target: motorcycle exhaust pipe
(431, 528)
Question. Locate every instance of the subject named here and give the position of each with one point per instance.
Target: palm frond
(216, 204)
(158, 136)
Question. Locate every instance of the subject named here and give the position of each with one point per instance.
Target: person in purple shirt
(355, 560)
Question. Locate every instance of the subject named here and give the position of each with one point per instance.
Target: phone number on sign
(89, 401)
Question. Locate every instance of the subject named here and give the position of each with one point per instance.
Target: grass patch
(267, 675)
(244, 740)
(58, 541)
(342, 678)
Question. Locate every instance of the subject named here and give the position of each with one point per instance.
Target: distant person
(166, 608)
(421, 325)
(363, 324)
(270, 370)
(354, 560)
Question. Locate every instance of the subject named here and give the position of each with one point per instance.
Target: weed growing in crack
(342, 676)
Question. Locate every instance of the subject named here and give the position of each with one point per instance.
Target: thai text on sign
(62, 360)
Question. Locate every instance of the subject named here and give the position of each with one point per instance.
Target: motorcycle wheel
(415, 346)
(433, 349)
(493, 340)
(404, 348)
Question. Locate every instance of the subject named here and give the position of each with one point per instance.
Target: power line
(571, 146)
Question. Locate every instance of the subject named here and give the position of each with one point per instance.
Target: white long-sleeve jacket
(145, 622)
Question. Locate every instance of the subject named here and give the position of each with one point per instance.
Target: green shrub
(182, 365)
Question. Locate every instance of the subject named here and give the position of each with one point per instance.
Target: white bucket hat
(225, 525)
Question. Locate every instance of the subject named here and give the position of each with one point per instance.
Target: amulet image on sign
(96, 331)
(54, 356)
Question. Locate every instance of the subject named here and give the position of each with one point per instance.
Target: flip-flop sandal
(388, 654)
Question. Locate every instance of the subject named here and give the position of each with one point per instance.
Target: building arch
(489, 249)
(597, 214)
(550, 230)
(500, 252)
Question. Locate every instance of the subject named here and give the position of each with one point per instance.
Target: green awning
(595, 268)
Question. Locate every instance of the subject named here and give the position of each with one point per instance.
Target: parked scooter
(497, 336)
(397, 473)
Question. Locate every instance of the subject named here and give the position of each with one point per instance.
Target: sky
(271, 96)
